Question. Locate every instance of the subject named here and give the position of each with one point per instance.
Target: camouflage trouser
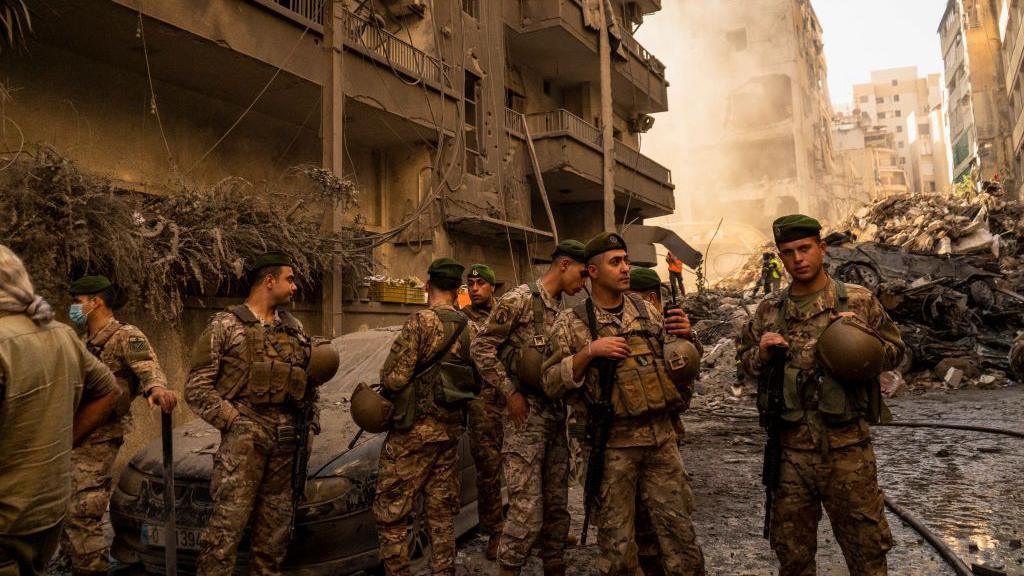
(83, 538)
(657, 473)
(252, 476)
(485, 433)
(844, 481)
(646, 538)
(409, 469)
(536, 460)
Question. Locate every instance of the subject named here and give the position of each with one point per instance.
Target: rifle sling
(422, 369)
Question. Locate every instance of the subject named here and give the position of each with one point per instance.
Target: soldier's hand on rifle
(613, 347)
(770, 340)
(518, 409)
(163, 398)
(677, 323)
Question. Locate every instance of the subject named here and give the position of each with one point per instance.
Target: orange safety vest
(674, 264)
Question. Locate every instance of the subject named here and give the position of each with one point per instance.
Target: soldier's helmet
(682, 361)
(323, 361)
(851, 351)
(371, 411)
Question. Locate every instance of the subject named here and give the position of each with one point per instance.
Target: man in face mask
(126, 351)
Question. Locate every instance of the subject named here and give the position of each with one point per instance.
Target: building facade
(867, 161)
(978, 108)
(765, 144)
(1011, 34)
(902, 102)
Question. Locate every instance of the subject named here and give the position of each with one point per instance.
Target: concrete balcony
(554, 37)
(571, 158)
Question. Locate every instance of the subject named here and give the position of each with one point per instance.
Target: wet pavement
(967, 487)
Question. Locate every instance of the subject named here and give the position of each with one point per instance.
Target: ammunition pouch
(275, 382)
(458, 384)
(525, 365)
(286, 435)
(273, 361)
(642, 384)
(404, 415)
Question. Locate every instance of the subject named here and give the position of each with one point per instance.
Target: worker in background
(771, 273)
(53, 394)
(675, 273)
(486, 416)
(126, 351)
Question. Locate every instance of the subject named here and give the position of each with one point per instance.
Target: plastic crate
(397, 294)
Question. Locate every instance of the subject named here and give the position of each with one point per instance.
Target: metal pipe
(945, 551)
(968, 427)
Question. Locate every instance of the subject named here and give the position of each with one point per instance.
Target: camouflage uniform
(245, 380)
(422, 460)
(485, 433)
(536, 456)
(827, 460)
(641, 454)
(126, 351)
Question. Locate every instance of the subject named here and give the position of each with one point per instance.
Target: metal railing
(515, 122)
(656, 66)
(302, 11)
(399, 54)
(565, 123)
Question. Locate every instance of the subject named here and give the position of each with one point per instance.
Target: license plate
(188, 538)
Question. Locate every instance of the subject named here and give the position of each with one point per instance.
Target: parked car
(334, 531)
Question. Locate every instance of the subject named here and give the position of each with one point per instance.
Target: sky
(865, 35)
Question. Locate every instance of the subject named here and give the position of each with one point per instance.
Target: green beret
(570, 248)
(795, 227)
(643, 279)
(446, 268)
(87, 285)
(269, 259)
(481, 271)
(603, 242)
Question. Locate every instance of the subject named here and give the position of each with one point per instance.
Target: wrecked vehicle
(335, 531)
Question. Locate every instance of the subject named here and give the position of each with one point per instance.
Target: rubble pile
(747, 276)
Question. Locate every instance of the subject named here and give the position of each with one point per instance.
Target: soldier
(420, 454)
(509, 353)
(826, 453)
(53, 394)
(126, 351)
(247, 379)
(485, 418)
(641, 454)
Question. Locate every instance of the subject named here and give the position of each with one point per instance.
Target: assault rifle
(599, 421)
(770, 387)
(301, 464)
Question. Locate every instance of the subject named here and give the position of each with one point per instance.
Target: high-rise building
(893, 100)
(978, 109)
(867, 165)
(1011, 34)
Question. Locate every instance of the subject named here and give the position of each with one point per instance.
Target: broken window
(879, 100)
(896, 98)
(761, 102)
(924, 130)
(737, 39)
(763, 160)
(471, 7)
(473, 121)
(864, 99)
(899, 113)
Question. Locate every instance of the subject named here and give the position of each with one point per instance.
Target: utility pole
(607, 132)
(333, 114)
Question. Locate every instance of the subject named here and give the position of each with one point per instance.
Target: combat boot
(492, 548)
(554, 567)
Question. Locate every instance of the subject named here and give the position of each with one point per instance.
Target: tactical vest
(838, 404)
(443, 383)
(642, 384)
(524, 363)
(126, 379)
(271, 369)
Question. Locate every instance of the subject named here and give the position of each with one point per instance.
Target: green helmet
(850, 351)
(371, 411)
(682, 361)
(323, 361)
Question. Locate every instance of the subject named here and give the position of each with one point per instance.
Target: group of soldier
(511, 369)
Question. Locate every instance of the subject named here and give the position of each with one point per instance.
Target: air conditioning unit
(641, 123)
(406, 7)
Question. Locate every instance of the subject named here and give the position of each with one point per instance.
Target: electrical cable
(152, 92)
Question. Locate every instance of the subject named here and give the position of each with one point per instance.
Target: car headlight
(326, 496)
(131, 482)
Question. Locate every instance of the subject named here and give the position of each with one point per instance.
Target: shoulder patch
(138, 349)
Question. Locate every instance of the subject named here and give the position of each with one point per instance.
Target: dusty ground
(966, 486)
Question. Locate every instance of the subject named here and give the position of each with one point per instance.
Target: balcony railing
(563, 122)
(656, 66)
(515, 122)
(397, 53)
(305, 12)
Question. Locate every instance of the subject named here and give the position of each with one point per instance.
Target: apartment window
(899, 113)
(879, 100)
(474, 119)
(471, 7)
(881, 115)
(931, 186)
(737, 39)
(924, 129)
(899, 129)
(863, 99)
(895, 82)
(896, 98)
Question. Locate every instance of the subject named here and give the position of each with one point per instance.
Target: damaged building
(764, 146)
(867, 164)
